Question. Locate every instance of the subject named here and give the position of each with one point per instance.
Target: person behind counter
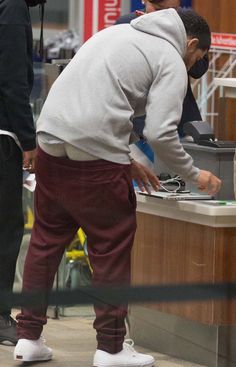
(190, 108)
(84, 172)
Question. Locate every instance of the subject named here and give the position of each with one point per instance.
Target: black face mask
(35, 2)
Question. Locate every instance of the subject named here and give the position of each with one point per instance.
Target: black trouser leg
(11, 213)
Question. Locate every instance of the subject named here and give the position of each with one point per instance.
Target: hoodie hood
(165, 24)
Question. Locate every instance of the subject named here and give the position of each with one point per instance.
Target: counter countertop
(194, 211)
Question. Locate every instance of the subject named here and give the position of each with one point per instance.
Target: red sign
(223, 40)
(99, 14)
(88, 19)
(109, 11)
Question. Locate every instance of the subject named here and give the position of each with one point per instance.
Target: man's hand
(138, 13)
(144, 177)
(29, 160)
(208, 182)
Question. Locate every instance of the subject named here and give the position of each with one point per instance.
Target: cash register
(202, 134)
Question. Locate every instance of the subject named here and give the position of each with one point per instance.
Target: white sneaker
(128, 357)
(32, 350)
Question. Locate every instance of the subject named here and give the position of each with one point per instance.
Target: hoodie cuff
(28, 145)
(193, 177)
(131, 158)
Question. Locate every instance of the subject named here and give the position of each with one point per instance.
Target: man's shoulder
(126, 18)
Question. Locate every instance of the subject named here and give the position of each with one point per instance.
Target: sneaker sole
(134, 365)
(8, 342)
(22, 358)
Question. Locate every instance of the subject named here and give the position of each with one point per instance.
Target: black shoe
(8, 330)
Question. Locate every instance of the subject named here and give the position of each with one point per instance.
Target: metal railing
(222, 65)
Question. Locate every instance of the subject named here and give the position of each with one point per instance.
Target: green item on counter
(227, 202)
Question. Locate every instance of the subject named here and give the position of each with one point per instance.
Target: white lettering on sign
(223, 40)
(111, 12)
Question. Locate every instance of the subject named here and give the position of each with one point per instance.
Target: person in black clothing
(190, 108)
(17, 140)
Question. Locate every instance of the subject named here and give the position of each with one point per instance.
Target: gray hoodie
(124, 71)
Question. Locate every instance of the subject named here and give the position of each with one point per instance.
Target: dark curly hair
(196, 27)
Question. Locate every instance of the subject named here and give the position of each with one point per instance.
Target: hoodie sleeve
(14, 85)
(163, 113)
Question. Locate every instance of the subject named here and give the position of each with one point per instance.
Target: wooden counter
(185, 242)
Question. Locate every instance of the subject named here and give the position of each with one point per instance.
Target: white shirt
(9, 133)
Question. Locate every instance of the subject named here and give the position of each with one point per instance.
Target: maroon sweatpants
(99, 197)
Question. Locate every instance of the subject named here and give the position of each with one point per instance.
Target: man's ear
(192, 44)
